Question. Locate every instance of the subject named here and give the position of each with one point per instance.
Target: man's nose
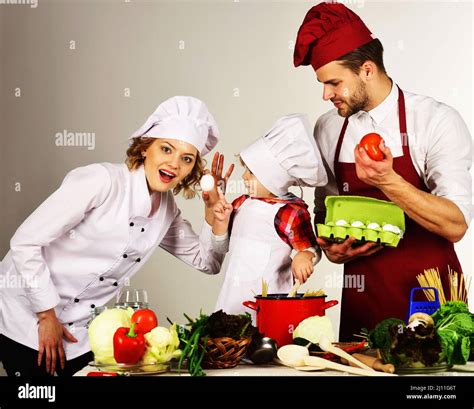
(327, 93)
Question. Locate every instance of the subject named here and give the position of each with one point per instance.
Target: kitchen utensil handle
(330, 304)
(339, 352)
(294, 289)
(375, 363)
(320, 362)
(250, 304)
(435, 291)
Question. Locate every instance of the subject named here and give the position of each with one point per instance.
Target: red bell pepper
(129, 346)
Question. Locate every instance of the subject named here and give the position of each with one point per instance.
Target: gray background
(237, 57)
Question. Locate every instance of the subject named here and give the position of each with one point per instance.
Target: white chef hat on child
(184, 118)
(286, 156)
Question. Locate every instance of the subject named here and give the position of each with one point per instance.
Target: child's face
(254, 187)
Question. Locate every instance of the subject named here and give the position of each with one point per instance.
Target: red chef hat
(329, 31)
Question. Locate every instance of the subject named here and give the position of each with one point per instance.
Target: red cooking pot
(278, 315)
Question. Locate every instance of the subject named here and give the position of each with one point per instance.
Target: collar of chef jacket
(141, 199)
(380, 112)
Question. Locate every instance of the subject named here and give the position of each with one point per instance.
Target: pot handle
(252, 305)
(330, 304)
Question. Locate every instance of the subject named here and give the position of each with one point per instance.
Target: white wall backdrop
(102, 66)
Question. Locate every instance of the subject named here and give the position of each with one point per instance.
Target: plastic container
(367, 211)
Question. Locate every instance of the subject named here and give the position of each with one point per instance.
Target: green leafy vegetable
(381, 337)
(405, 346)
(449, 308)
(454, 326)
(217, 325)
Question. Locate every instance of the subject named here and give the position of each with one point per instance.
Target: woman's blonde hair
(135, 159)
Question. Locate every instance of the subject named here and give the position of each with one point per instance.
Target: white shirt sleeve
(196, 251)
(330, 189)
(220, 244)
(82, 190)
(448, 161)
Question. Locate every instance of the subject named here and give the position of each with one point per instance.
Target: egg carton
(365, 218)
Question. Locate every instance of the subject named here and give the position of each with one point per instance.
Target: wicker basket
(224, 352)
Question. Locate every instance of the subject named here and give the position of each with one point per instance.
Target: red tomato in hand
(370, 143)
(145, 319)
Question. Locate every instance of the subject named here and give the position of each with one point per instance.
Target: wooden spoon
(314, 361)
(294, 289)
(326, 345)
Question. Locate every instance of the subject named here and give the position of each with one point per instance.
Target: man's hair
(372, 51)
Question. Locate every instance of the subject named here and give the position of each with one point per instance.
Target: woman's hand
(212, 197)
(302, 265)
(50, 340)
(340, 253)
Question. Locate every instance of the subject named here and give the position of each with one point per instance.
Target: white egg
(207, 183)
(341, 223)
(373, 226)
(357, 224)
(391, 228)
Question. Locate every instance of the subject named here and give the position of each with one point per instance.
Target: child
(269, 222)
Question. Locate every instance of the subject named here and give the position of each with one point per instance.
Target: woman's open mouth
(166, 176)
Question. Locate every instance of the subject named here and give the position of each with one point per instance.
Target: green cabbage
(454, 325)
(102, 330)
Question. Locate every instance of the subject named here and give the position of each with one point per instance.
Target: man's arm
(434, 213)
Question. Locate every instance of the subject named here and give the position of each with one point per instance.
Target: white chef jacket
(256, 253)
(439, 141)
(84, 242)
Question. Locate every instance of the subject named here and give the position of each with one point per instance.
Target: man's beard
(357, 102)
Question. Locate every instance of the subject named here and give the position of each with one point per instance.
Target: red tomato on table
(370, 143)
(145, 319)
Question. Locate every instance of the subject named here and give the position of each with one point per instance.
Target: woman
(89, 237)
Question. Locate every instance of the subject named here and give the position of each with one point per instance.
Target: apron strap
(339, 141)
(402, 118)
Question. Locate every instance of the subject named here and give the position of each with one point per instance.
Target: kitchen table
(249, 369)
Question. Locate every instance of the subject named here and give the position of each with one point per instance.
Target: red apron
(389, 274)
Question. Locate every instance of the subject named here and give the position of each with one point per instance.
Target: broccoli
(380, 337)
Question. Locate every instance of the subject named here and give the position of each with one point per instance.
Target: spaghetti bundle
(309, 293)
(458, 289)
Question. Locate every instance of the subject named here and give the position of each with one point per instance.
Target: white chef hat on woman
(286, 156)
(183, 118)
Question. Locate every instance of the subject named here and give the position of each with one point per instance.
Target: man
(427, 156)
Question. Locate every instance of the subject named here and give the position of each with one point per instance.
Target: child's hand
(302, 265)
(222, 210)
(211, 198)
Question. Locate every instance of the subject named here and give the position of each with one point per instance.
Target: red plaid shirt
(292, 222)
